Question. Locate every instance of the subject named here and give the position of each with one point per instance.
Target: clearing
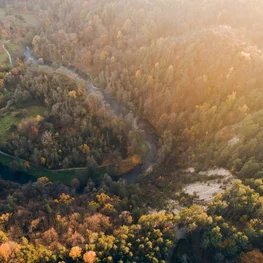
(13, 118)
(206, 190)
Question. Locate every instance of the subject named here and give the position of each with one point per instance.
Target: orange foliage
(98, 222)
(254, 256)
(103, 198)
(34, 130)
(65, 199)
(80, 91)
(84, 148)
(138, 74)
(150, 80)
(4, 218)
(50, 235)
(7, 250)
(136, 159)
(89, 257)
(75, 252)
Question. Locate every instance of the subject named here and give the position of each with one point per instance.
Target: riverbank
(128, 169)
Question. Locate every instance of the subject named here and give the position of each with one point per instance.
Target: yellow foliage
(39, 118)
(103, 198)
(136, 159)
(113, 59)
(1, 83)
(64, 199)
(103, 55)
(72, 94)
(138, 74)
(43, 180)
(244, 109)
(171, 68)
(43, 160)
(150, 80)
(4, 218)
(108, 208)
(84, 148)
(231, 99)
(27, 165)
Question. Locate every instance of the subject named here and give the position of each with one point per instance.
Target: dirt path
(8, 54)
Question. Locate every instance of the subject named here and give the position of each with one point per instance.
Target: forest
(47, 222)
(189, 69)
(73, 130)
(136, 57)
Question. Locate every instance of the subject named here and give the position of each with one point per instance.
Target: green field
(2, 13)
(31, 19)
(3, 58)
(54, 176)
(19, 17)
(5, 123)
(60, 176)
(10, 119)
(33, 111)
(14, 49)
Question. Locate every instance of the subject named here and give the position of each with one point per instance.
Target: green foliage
(234, 223)
(5, 123)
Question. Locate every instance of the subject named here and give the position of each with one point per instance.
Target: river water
(19, 177)
(120, 111)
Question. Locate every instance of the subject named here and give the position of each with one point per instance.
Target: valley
(131, 131)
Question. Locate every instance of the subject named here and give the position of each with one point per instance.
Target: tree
(89, 257)
(75, 252)
(254, 256)
(166, 146)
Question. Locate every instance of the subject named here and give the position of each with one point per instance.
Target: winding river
(120, 111)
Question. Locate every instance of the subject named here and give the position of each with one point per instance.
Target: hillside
(189, 76)
(217, 63)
